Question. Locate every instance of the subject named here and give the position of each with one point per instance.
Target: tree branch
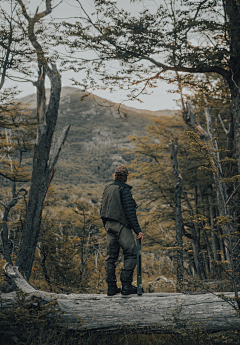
(214, 141)
(190, 119)
(24, 10)
(37, 16)
(31, 22)
(55, 149)
(12, 179)
(223, 126)
(10, 39)
(199, 69)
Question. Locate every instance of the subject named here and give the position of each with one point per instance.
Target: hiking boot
(129, 289)
(113, 290)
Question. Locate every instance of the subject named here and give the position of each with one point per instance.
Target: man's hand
(139, 235)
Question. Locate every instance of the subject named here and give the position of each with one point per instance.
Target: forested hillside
(97, 137)
(60, 146)
(71, 243)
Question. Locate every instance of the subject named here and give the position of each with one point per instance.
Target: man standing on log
(118, 213)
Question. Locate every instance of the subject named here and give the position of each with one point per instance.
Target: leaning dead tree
(46, 152)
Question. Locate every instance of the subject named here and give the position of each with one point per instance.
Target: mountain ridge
(66, 90)
(97, 137)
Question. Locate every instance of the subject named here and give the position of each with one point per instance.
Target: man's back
(119, 200)
(111, 206)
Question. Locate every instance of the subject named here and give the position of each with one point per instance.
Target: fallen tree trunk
(154, 313)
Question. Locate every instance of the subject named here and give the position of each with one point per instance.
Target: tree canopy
(181, 36)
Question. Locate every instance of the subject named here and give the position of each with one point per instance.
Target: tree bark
(5, 233)
(150, 313)
(45, 157)
(215, 240)
(198, 257)
(44, 268)
(178, 212)
(205, 235)
(232, 14)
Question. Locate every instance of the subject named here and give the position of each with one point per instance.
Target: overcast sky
(158, 100)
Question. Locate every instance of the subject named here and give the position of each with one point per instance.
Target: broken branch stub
(56, 148)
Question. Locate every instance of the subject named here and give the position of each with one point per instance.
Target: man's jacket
(118, 204)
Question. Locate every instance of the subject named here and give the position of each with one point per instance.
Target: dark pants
(118, 236)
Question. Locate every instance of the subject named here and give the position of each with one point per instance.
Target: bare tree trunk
(209, 248)
(232, 10)
(5, 233)
(44, 268)
(220, 186)
(45, 157)
(222, 199)
(231, 207)
(235, 92)
(198, 257)
(215, 240)
(222, 246)
(45, 153)
(178, 212)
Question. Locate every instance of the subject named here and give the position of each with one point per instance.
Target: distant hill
(95, 143)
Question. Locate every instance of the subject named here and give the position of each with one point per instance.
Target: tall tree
(178, 211)
(46, 152)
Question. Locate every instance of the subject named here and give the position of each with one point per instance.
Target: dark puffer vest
(118, 204)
